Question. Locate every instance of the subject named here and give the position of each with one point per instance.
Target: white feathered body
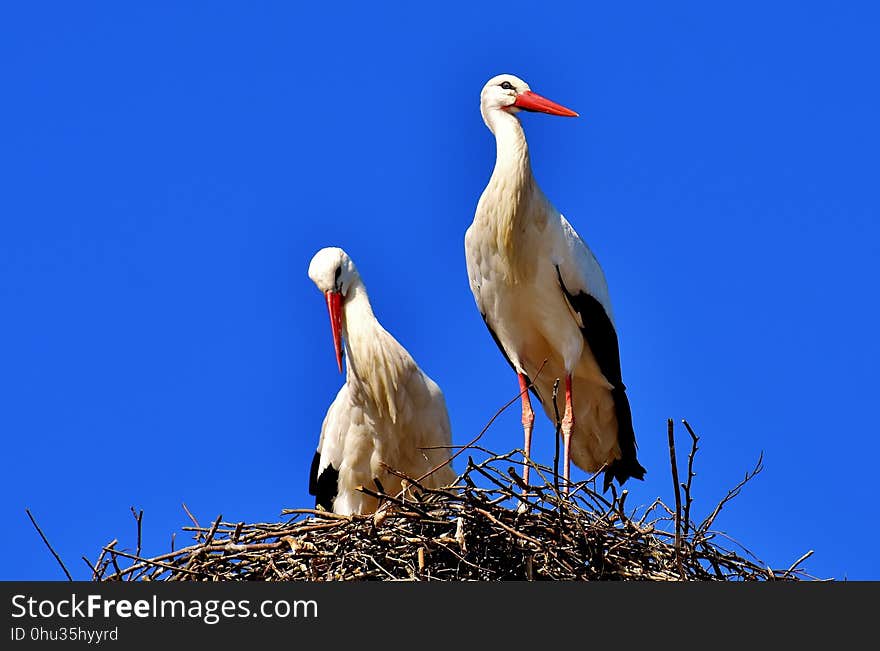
(388, 414)
(517, 249)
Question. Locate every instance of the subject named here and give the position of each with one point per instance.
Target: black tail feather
(621, 470)
(627, 466)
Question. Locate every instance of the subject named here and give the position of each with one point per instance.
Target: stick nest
(488, 527)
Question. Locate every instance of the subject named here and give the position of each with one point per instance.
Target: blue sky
(169, 170)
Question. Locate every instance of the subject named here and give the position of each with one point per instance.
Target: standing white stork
(543, 297)
(388, 414)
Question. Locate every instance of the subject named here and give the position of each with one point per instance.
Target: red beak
(334, 306)
(530, 101)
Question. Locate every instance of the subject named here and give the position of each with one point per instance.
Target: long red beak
(529, 101)
(334, 306)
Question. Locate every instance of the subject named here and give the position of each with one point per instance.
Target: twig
(733, 492)
(213, 531)
(798, 562)
(317, 512)
(101, 558)
(116, 552)
(112, 551)
(138, 517)
(237, 532)
(556, 435)
(509, 529)
(191, 517)
(92, 568)
(688, 499)
(46, 540)
(487, 426)
(670, 431)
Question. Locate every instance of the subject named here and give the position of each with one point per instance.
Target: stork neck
(373, 359)
(507, 202)
(357, 308)
(357, 322)
(512, 162)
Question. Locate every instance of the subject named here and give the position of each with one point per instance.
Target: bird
(544, 298)
(389, 417)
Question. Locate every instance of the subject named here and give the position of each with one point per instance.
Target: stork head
(333, 273)
(511, 94)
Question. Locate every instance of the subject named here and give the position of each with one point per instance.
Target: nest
(490, 526)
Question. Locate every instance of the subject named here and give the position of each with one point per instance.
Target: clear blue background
(168, 170)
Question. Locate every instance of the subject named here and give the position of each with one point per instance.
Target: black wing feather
(313, 474)
(325, 486)
(601, 337)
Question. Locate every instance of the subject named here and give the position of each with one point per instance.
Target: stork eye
(507, 86)
(336, 284)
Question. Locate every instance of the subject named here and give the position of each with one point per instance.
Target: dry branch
(670, 431)
(46, 541)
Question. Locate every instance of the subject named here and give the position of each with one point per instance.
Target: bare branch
(46, 540)
(688, 498)
(733, 492)
(138, 517)
(670, 432)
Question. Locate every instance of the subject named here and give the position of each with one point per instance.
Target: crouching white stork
(388, 414)
(543, 296)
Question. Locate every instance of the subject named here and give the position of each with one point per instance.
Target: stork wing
(579, 269)
(324, 473)
(582, 281)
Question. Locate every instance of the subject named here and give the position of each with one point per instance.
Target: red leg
(528, 423)
(567, 427)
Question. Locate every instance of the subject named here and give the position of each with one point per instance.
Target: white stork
(543, 297)
(388, 414)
